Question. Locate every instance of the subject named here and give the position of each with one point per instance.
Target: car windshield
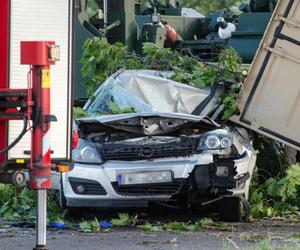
(144, 91)
(112, 97)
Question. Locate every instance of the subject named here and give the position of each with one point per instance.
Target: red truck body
(4, 47)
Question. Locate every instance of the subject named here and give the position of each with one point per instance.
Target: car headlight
(85, 153)
(217, 139)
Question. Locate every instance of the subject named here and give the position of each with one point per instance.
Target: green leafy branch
(277, 196)
(176, 226)
(100, 60)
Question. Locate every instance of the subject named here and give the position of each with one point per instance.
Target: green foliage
(79, 113)
(123, 220)
(176, 226)
(19, 203)
(85, 227)
(207, 6)
(100, 60)
(230, 106)
(148, 227)
(54, 211)
(181, 226)
(92, 8)
(230, 63)
(278, 196)
(115, 109)
(264, 245)
(186, 69)
(204, 77)
(231, 73)
(90, 226)
(16, 204)
(207, 222)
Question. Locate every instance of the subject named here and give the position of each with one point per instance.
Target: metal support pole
(41, 220)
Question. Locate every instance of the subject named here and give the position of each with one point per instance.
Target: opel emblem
(146, 152)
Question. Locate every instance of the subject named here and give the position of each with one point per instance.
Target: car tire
(230, 209)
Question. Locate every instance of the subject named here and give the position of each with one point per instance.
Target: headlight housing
(86, 153)
(216, 140)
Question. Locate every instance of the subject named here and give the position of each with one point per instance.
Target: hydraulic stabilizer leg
(40, 56)
(41, 220)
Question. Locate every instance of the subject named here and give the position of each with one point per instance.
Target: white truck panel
(43, 20)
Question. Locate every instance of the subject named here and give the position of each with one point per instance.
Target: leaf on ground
(181, 226)
(148, 227)
(85, 227)
(89, 226)
(122, 221)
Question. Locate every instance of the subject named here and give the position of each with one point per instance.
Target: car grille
(127, 152)
(90, 187)
(170, 189)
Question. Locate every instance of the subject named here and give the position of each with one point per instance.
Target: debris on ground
(90, 226)
(6, 232)
(175, 226)
(123, 220)
(105, 224)
(57, 224)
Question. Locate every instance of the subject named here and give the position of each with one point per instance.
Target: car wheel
(230, 209)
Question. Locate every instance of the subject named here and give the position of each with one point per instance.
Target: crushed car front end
(125, 161)
(166, 150)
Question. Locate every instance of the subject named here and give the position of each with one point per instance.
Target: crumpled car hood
(152, 91)
(142, 123)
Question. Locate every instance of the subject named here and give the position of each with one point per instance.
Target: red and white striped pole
(40, 55)
(40, 172)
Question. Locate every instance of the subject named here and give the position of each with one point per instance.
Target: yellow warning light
(63, 168)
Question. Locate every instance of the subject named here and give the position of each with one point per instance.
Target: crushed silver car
(167, 150)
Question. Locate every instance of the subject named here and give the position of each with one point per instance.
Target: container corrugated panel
(43, 20)
(270, 103)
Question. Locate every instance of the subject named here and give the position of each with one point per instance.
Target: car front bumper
(106, 174)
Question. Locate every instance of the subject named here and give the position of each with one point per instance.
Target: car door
(270, 102)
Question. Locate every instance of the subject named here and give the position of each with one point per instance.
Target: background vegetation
(203, 6)
(207, 6)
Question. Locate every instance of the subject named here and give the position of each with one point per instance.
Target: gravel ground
(261, 234)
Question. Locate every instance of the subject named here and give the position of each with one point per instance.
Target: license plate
(144, 177)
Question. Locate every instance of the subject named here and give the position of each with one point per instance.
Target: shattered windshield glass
(112, 96)
(144, 91)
